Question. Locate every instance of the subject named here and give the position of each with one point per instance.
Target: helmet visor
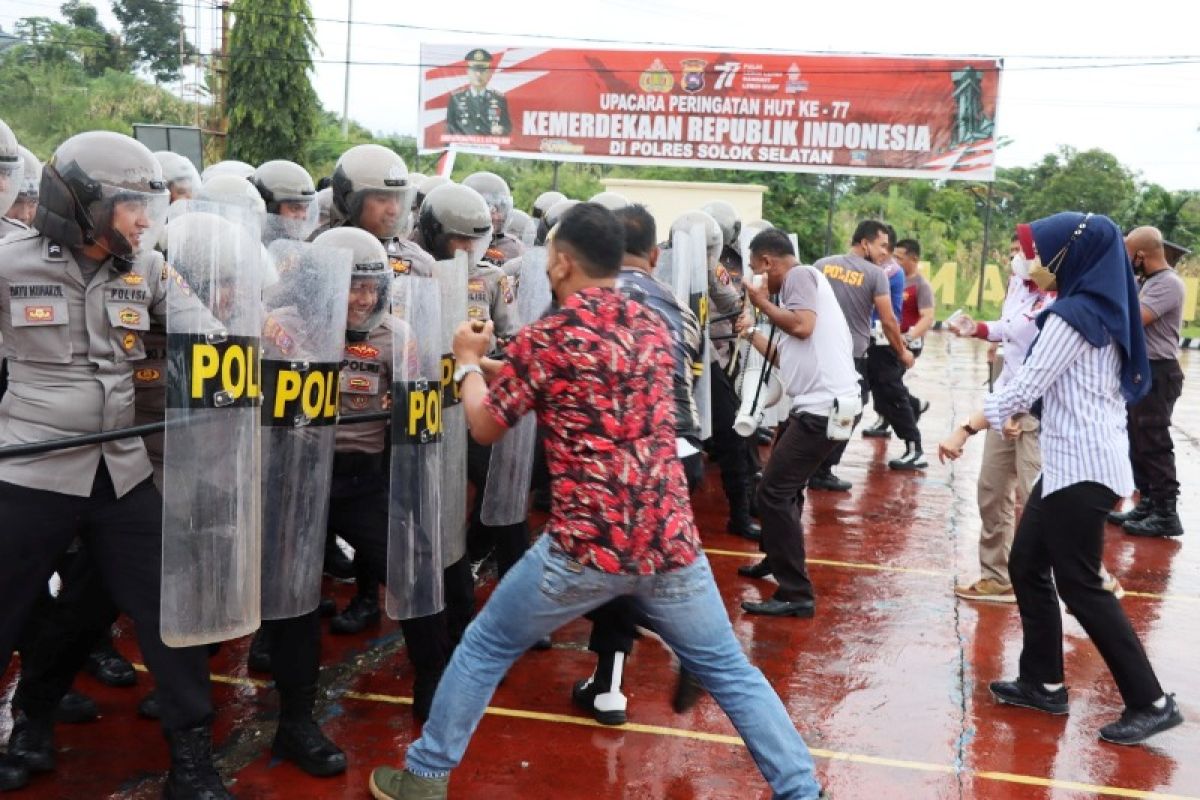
(12, 175)
(128, 222)
(381, 212)
(296, 219)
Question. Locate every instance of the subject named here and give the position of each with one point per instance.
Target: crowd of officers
(86, 230)
(86, 281)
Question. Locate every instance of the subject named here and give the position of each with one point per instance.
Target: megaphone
(757, 397)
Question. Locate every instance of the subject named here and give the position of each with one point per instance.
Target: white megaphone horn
(759, 393)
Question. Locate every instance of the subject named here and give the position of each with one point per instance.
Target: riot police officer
(358, 503)
(728, 448)
(180, 174)
(371, 191)
(12, 171)
(498, 197)
(23, 208)
(455, 217)
(78, 294)
(291, 200)
(544, 202)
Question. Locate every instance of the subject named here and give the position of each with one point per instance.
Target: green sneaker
(388, 783)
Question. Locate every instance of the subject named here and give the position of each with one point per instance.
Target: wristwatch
(464, 370)
(749, 332)
(966, 426)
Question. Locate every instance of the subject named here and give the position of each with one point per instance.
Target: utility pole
(346, 90)
(829, 217)
(221, 73)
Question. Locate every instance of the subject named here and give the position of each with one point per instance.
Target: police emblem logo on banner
(693, 74)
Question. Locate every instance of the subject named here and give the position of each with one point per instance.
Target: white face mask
(1020, 267)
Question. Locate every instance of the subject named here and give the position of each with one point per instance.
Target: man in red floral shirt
(598, 373)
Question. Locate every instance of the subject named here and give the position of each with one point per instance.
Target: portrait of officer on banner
(478, 110)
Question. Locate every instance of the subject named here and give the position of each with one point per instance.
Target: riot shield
(506, 496)
(211, 560)
(451, 276)
(302, 341)
(414, 574)
(689, 274)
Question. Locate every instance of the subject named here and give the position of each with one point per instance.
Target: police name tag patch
(296, 395)
(416, 412)
(212, 372)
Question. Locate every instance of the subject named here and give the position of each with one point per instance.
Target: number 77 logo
(728, 70)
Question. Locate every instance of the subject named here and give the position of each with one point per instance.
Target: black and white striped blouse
(1083, 434)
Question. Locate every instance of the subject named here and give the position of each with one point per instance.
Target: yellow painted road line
(736, 741)
(936, 573)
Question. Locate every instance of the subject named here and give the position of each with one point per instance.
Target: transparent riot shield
(689, 273)
(452, 280)
(302, 341)
(506, 496)
(211, 560)
(415, 552)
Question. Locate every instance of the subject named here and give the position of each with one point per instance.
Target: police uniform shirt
(366, 385)
(725, 298)
(490, 296)
(408, 258)
(10, 226)
(72, 348)
(478, 113)
(504, 248)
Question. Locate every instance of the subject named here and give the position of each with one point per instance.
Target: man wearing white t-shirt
(815, 357)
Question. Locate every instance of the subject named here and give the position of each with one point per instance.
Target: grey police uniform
(359, 501)
(73, 346)
(504, 248)
(408, 258)
(490, 296)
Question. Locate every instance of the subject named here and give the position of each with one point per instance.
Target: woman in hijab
(1088, 361)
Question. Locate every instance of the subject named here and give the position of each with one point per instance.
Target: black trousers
(61, 632)
(864, 385)
(729, 450)
(1150, 447)
(509, 542)
(615, 624)
(885, 373)
(799, 451)
(124, 537)
(1058, 544)
(358, 512)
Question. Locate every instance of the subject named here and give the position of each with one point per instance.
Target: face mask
(1044, 278)
(1020, 266)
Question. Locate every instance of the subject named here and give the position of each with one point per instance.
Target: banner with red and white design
(890, 116)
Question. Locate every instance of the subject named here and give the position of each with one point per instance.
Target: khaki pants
(1006, 477)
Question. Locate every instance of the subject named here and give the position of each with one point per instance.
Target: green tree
(1092, 180)
(154, 33)
(272, 105)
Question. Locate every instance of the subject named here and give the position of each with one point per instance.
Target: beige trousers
(1006, 477)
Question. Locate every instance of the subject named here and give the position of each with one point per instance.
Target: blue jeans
(547, 589)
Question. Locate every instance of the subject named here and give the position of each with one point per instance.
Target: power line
(1150, 59)
(889, 69)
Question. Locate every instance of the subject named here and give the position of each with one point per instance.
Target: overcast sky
(1148, 116)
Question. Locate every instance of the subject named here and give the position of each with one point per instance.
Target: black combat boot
(192, 775)
(75, 707)
(1135, 514)
(1163, 520)
(362, 611)
(32, 742)
(740, 523)
(110, 667)
(13, 774)
(259, 659)
(299, 739)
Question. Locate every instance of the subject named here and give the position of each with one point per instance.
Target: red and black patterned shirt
(598, 373)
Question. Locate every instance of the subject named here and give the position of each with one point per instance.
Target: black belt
(357, 463)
